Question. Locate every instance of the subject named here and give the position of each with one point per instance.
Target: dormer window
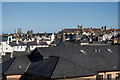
(109, 50)
(82, 51)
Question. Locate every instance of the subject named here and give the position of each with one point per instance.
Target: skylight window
(109, 50)
(82, 51)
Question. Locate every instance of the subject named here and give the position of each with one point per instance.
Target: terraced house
(93, 62)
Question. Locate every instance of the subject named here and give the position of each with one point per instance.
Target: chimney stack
(79, 27)
(16, 41)
(11, 55)
(104, 27)
(37, 40)
(63, 37)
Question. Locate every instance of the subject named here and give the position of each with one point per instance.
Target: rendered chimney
(16, 41)
(37, 40)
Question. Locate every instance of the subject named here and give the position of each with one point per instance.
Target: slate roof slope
(68, 61)
(35, 56)
(69, 69)
(102, 60)
(98, 61)
(6, 57)
(5, 65)
(68, 43)
(19, 66)
(35, 43)
(18, 54)
(43, 68)
(51, 51)
(2, 38)
(15, 44)
(71, 30)
(55, 67)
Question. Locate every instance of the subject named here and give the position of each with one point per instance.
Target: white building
(34, 45)
(21, 46)
(11, 46)
(108, 36)
(49, 40)
(5, 48)
(18, 46)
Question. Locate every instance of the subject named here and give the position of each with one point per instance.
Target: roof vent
(20, 66)
(97, 50)
(114, 67)
(82, 51)
(109, 50)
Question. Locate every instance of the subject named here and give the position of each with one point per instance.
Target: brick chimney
(63, 37)
(79, 27)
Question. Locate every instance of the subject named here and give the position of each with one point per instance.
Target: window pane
(108, 76)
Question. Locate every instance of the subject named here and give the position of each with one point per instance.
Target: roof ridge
(55, 66)
(10, 64)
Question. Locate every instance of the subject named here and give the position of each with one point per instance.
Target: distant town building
(30, 32)
(19, 31)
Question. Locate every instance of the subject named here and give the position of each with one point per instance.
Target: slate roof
(30, 43)
(35, 56)
(23, 53)
(67, 61)
(73, 63)
(35, 43)
(19, 66)
(15, 44)
(96, 29)
(2, 38)
(43, 43)
(71, 30)
(43, 68)
(5, 65)
(69, 69)
(68, 43)
(6, 57)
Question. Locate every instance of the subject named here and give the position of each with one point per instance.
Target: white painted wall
(23, 48)
(106, 36)
(19, 48)
(5, 48)
(35, 46)
(52, 37)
